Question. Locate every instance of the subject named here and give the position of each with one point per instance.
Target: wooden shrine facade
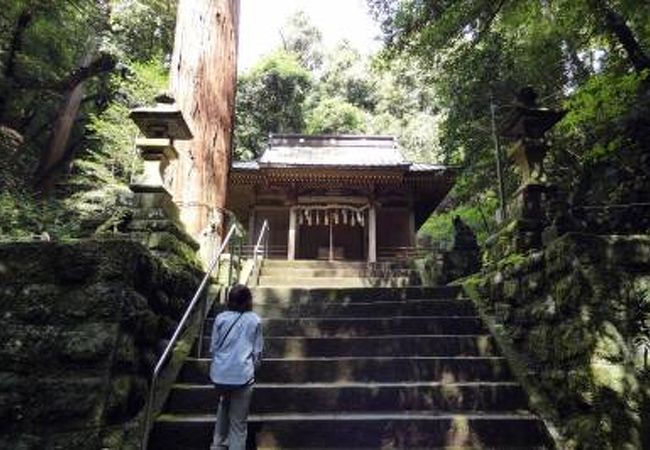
(336, 197)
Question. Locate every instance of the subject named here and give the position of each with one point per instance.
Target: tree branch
(9, 71)
(615, 24)
(102, 64)
(487, 24)
(23, 22)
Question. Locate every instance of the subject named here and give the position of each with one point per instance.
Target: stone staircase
(364, 368)
(277, 273)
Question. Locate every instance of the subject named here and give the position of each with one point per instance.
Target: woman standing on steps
(236, 348)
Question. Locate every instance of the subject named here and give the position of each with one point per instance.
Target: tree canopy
(64, 97)
(340, 91)
(585, 56)
(69, 73)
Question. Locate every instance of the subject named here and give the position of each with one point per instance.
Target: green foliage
(45, 45)
(346, 92)
(478, 215)
(577, 54)
(335, 115)
(270, 98)
(112, 132)
(110, 161)
(595, 112)
(143, 29)
(22, 216)
(304, 40)
(346, 74)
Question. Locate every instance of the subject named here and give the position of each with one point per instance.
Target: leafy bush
(592, 124)
(478, 215)
(24, 217)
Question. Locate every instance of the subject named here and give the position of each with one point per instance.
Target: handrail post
(231, 258)
(239, 257)
(259, 251)
(199, 343)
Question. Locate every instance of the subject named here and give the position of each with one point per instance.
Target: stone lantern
(155, 215)
(527, 124)
(161, 126)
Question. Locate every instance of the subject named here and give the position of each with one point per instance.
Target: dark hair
(240, 298)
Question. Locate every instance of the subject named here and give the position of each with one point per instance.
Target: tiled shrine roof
(334, 152)
(342, 161)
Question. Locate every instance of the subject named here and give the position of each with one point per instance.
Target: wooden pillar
(372, 234)
(331, 252)
(291, 242)
(412, 239)
(252, 237)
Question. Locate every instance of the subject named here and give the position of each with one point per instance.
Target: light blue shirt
(235, 360)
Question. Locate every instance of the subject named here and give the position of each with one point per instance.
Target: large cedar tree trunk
(203, 77)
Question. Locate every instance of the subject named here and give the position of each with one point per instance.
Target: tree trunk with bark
(203, 77)
(56, 153)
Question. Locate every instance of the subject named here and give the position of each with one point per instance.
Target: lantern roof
(164, 120)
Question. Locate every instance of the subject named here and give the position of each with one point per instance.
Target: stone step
(335, 272)
(333, 282)
(405, 345)
(459, 307)
(313, 264)
(288, 295)
(365, 369)
(398, 430)
(372, 326)
(356, 397)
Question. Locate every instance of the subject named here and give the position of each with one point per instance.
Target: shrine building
(341, 197)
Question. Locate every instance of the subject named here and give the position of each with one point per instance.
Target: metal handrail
(262, 240)
(172, 342)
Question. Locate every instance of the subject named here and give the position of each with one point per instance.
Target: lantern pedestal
(157, 155)
(529, 157)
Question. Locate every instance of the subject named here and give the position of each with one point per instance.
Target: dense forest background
(71, 69)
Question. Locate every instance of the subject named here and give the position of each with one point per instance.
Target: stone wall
(575, 318)
(82, 326)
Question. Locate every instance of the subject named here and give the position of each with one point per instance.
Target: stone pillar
(291, 242)
(372, 234)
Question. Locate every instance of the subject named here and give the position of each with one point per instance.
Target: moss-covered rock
(82, 327)
(573, 313)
